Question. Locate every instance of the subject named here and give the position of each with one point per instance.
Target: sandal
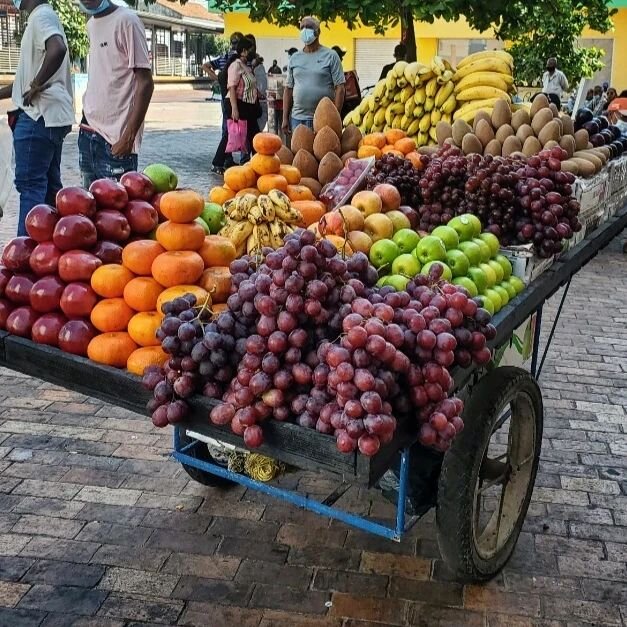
(216, 169)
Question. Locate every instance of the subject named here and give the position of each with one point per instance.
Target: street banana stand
(480, 488)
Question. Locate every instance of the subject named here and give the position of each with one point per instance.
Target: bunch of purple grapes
(401, 173)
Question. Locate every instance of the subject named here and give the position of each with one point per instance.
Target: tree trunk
(408, 33)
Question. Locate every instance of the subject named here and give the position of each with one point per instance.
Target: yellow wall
(427, 35)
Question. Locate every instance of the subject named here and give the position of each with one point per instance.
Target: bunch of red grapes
(401, 173)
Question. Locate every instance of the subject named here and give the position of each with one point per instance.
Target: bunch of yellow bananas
(480, 80)
(253, 223)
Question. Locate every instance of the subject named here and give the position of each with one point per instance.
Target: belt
(86, 127)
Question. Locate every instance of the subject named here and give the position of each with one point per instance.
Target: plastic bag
(350, 180)
(236, 136)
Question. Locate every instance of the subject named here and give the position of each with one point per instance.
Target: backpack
(351, 86)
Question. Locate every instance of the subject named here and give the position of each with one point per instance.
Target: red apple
(156, 203)
(18, 288)
(412, 215)
(138, 186)
(45, 259)
(78, 265)
(17, 253)
(20, 321)
(390, 196)
(75, 336)
(40, 222)
(108, 252)
(109, 194)
(112, 225)
(47, 327)
(77, 300)
(142, 216)
(6, 307)
(72, 201)
(74, 232)
(5, 275)
(45, 294)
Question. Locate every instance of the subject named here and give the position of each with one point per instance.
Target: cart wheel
(488, 474)
(201, 451)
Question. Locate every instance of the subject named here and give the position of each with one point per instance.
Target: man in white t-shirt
(119, 89)
(554, 82)
(42, 95)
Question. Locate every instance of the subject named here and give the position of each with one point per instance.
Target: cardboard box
(519, 349)
(526, 265)
(592, 192)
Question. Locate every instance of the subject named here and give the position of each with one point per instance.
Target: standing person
(400, 52)
(261, 76)
(42, 94)
(274, 68)
(312, 74)
(119, 89)
(554, 82)
(352, 91)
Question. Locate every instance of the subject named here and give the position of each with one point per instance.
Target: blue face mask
(17, 4)
(103, 6)
(308, 36)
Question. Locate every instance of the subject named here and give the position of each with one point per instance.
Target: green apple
(213, 215)
(430, 248)
(457, 262)
(490, 274)
(493, 295)
(398, 282)
(406, 240)
(487, 304)
(486, 253)
(518, 284)
(479, 278)
(406, 264)
(162, 176)
(204, 225)
(505, 264)
(476, 223)
(465, 282)
(447, 275)
(472, 251)
(382, 281)
(448, 235)
(492, 241)
(502, 292)
(399, 220)
(511, 290)
(496, 266)
(465, 226)
(383, 253)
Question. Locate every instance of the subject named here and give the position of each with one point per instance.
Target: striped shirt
(242, 78)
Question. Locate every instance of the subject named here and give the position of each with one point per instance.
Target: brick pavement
(98, 528)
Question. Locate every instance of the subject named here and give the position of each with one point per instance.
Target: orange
(392, 135)
(248, 190)
(220, 195)
(217, 281)
(111, 314)
(141, 294)
(138, 256)
(141, 358)
(291, 174)
(109, 281)
(217, 251)
(176, 267)
(416, 159)
(265, 164)
(180, 290)
(218, 308)
(311, 210)
(142, 328)
(405, 145)
(111, 349)
(181, 205)
(368, 151)
(377, 140)
(271, 181)
(390, 150)
(343, 247)
(267, 143)
(174, 236)
(299, 192)
(240, 176)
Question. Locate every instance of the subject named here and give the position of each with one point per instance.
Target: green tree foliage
(553, 32)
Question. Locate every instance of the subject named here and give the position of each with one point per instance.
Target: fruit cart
(481, 487)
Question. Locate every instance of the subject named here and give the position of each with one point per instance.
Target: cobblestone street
(99, 528)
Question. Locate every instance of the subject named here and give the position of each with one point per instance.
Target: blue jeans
(294, 122)
(37, 163)
(96, 161)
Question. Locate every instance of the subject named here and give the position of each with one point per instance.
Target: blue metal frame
(364, 524)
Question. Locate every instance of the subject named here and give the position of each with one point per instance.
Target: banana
(429, 104)
(485, 79)
(405, 122)
(425, 123)
(255, 215)
(490, 64)
(406, 93)
(348, 118)
(252, 243)
(277, 231)
(501, 55)
(372, 105)
(443, 93)
(469, 115)
(425, 74)
(474, 105)
(432, 134)
(368, 120)
(240, 250)
(436, 116)
(411, 72)
(437, 65)
(364, 106)
(379, 117)
(418, 112)
(282, 207)
(266, 208)
(241, 232)
(410, 105)
(449, 105)
(399, 69)
(423, 138)
(389, 115)
(396, 122)
(413, 128)
(447, 117)
(263, 233)
(377, 128)
(431, 87)
(482, 93)
(229, 206)
(379, 90)
(240, 208)
(420, 95)
(390, 81)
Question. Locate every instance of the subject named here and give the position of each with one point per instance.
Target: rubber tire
(461, 467)
(201, 451)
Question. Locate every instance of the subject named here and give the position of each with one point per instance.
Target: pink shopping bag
(236, 136)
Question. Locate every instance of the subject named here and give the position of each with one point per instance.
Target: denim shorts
(96, 160)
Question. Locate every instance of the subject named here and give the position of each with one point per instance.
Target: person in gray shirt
(312, 74)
